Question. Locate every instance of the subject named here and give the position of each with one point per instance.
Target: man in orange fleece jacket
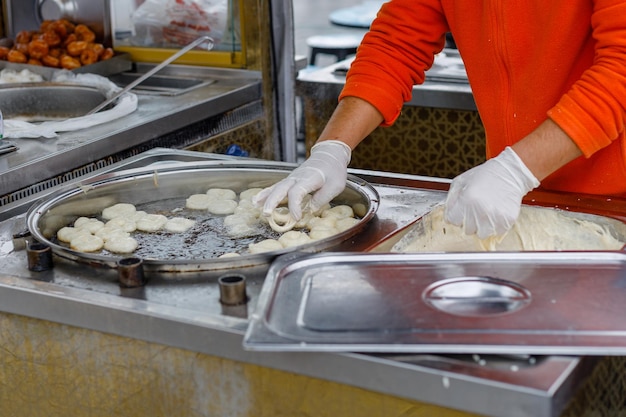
(549, 81)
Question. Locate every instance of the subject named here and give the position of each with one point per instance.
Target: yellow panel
(53, 370)
(213, 59)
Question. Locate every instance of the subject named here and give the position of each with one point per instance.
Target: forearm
(351, 122)
(546, 149)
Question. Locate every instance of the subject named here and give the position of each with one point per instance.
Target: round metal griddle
(163, 189)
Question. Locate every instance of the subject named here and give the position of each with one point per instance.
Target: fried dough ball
(51, 61)
(84, 33)
(4, 51)
(98, 48)
(107, 54)
(37, 49)
(23, 36)
(21, 47)
(69, 39)
(51, 38)
(33, 61)
(76, 48)
(17, 57)
(69, 63)
(88, 56)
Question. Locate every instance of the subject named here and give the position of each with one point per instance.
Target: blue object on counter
(235, 150)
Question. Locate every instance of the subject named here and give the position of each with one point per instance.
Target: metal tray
(488, 303)
(163, 188)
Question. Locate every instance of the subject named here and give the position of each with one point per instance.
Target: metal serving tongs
(175, 56)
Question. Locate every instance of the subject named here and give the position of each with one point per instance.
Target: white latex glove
(487, 199)
(324, 173)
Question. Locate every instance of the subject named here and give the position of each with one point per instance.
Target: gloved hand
(324, 172)
(487, 199)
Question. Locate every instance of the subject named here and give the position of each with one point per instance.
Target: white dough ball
(221, 194)
(179, 224)
(249, 193)
(89, 224)
(222, 207)
(151, 222)
(339, 212)
(198, 202)
(86, 243)
(322, 233)
(294, 238)
(123, 223)
(67, 233)
(121, 245)
(108, 233)
(118, 210)
(266, 245)
(346, 223)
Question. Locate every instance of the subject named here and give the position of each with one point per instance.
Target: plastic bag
(175, 23)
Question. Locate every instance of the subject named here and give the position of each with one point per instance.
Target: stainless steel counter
(184, 312)
(439, 90)
(156, 115)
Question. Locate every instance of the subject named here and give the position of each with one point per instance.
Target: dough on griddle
(151, 222)
(90, 224)
(293, 238)
(121, 244)
(123, 223)
(178, 224)
(249, 194)
(84, 242)
(108, 233)
(322, 232)
(536, 229)
(222, 207)
(339, 212)
(221, 194)
(118, 210)
(67, 233)
(198, 202)
(266, 245)
(241, 225)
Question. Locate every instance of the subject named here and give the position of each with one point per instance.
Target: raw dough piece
(151, 222)
(118, 210)
(89, 224)
(198, 202)
(222, 207)
(346, 223)
(322, 233)
(86, 243)
(339, 212)
(123, 223)
(179, 224)
(121, 245)
(294, 238)
(266, 245)
(249, 193)
(536, 229)
(67, 233)
(108, 233)
(221, 194)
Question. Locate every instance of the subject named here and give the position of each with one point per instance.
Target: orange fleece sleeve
(592, 111)
(395, 54)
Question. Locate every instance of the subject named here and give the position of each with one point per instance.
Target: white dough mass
(536, 229)
(179, 224)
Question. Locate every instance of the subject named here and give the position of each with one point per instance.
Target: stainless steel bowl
(160, 187)
(47, 101)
